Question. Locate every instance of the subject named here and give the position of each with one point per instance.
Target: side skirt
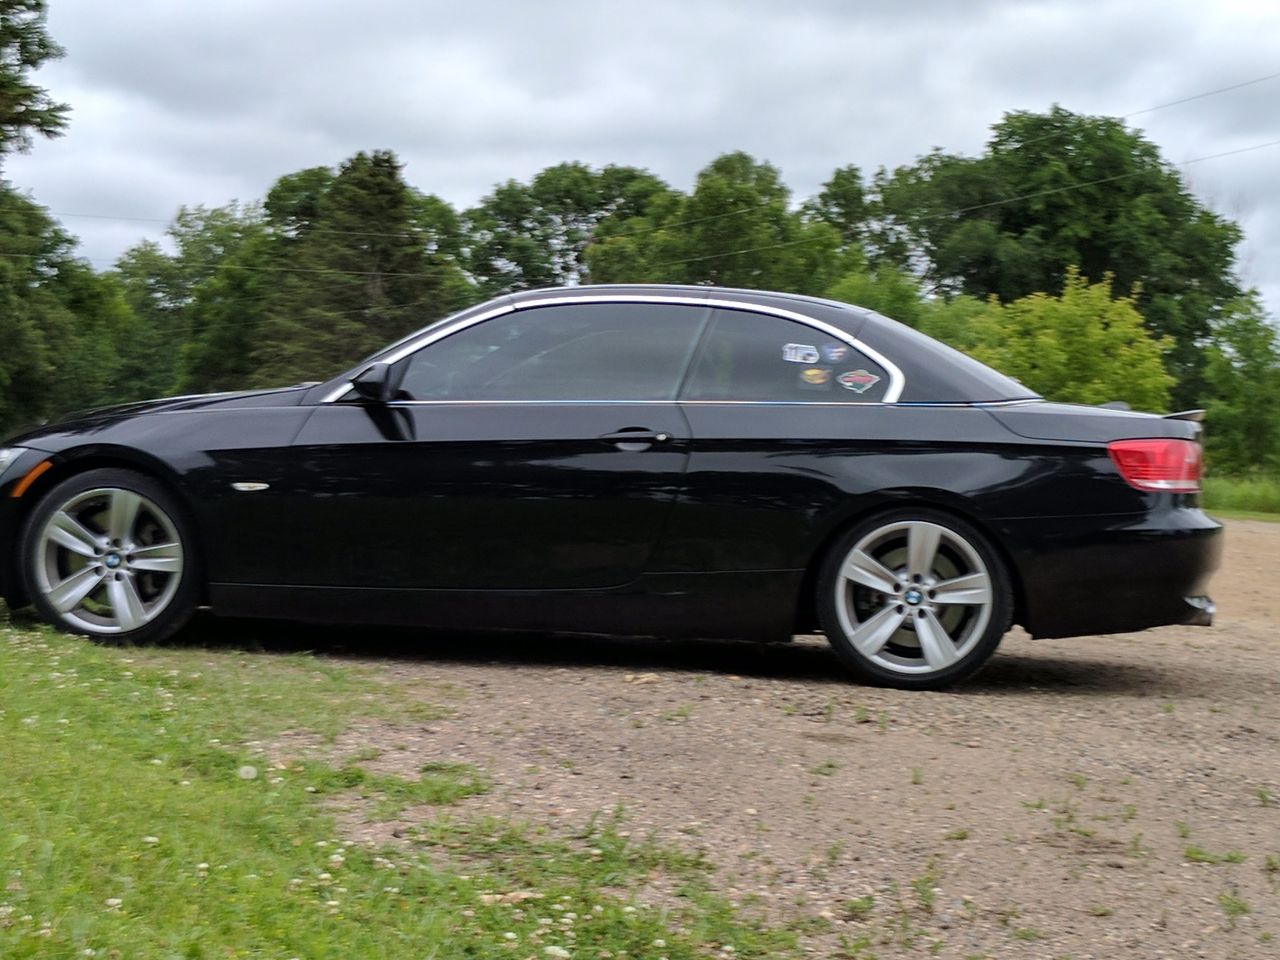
(757, 605)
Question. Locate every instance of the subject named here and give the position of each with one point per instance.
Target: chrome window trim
(896, 380)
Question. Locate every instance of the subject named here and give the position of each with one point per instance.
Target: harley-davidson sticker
(859, 381)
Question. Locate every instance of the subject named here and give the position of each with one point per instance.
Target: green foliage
(1089, 193)
(734, 230)
(355, 272)
(25, 109)
(1242, 376)
(1082, 346)
(885, 289)
(523, 236)
(59, 321)
(1250, 494)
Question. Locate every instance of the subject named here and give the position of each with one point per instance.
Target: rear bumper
(1091, 575)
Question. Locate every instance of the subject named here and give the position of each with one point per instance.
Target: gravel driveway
(1099, 797)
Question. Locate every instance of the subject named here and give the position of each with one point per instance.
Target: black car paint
(538, 517)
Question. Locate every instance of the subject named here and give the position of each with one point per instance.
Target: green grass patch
(1194, 854)
(1245, 497)
(142, 817)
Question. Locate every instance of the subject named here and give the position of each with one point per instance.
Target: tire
(914, 598)
(109, 554)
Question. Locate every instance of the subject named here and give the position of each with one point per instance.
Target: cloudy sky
(190, 101)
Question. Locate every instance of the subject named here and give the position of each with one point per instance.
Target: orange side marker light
(34, 474)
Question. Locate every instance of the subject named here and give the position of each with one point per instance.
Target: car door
(541, 449)
(783, 415)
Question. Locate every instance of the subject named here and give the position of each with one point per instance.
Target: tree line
(1068, 254)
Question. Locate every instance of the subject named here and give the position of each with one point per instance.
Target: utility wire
(409, 235)
(980, 206)
(444, 268)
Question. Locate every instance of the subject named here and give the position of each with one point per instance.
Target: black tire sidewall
(866, 670)
(185, 599)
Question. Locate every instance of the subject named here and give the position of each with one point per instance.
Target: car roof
(854, 313)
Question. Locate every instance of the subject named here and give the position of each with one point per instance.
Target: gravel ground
(1097, 797)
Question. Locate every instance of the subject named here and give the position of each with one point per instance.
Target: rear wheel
(915, 599)
(108, 554)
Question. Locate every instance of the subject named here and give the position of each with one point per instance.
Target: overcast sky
(177, 102)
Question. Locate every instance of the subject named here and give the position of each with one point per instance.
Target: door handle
(636, 438)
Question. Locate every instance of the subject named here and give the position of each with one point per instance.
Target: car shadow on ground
(1008, 674)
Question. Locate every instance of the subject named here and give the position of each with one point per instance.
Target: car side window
(609, 351)
(753, 356)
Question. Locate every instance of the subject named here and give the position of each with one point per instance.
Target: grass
(144, 817)
(1194, 854)
(1256, 497)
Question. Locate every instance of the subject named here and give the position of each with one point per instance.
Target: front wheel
(915, 599)
(108, 554)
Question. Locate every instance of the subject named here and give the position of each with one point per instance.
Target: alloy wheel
(913, 597)
(108, 561)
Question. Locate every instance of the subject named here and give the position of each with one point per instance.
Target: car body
(648, 460)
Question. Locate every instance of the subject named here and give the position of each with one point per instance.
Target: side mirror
(374, 384)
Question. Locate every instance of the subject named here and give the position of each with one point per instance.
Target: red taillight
(1159, 466)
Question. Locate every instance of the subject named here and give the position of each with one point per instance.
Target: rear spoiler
(1196, 416)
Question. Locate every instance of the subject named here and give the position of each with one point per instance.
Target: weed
(1232, 906)
(1184, 831)
(917, 776)
(860, 908)
(825, 769)
(926, 887)
(1194, 854)
(961, 834)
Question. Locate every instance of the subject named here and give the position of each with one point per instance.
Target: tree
(1081, 346)
(60, 322)
(1060, 189)
(173, 297)
(1242, 430)
(522, 236)
(885, 289)
(25, 108)
(360, 269)
(735, 230)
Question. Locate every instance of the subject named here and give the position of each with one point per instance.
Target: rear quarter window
(756, 357)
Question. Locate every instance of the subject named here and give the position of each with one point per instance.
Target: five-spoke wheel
(105, 555)
(914, 599)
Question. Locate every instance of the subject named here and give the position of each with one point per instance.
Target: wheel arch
(939, 501)
(69, 463)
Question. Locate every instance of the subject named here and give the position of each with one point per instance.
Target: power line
(440, 269)
(1201, 96)
(980, 206)
(717, 216)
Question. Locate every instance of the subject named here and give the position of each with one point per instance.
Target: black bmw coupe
(632, 460)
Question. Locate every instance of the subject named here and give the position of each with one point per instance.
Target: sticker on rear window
(834, 352)
(816, 376)
(800, 353)
(859, 381)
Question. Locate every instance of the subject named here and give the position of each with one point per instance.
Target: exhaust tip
(1202, 611)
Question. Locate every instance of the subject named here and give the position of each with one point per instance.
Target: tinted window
(580, 352)
(750, 356)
